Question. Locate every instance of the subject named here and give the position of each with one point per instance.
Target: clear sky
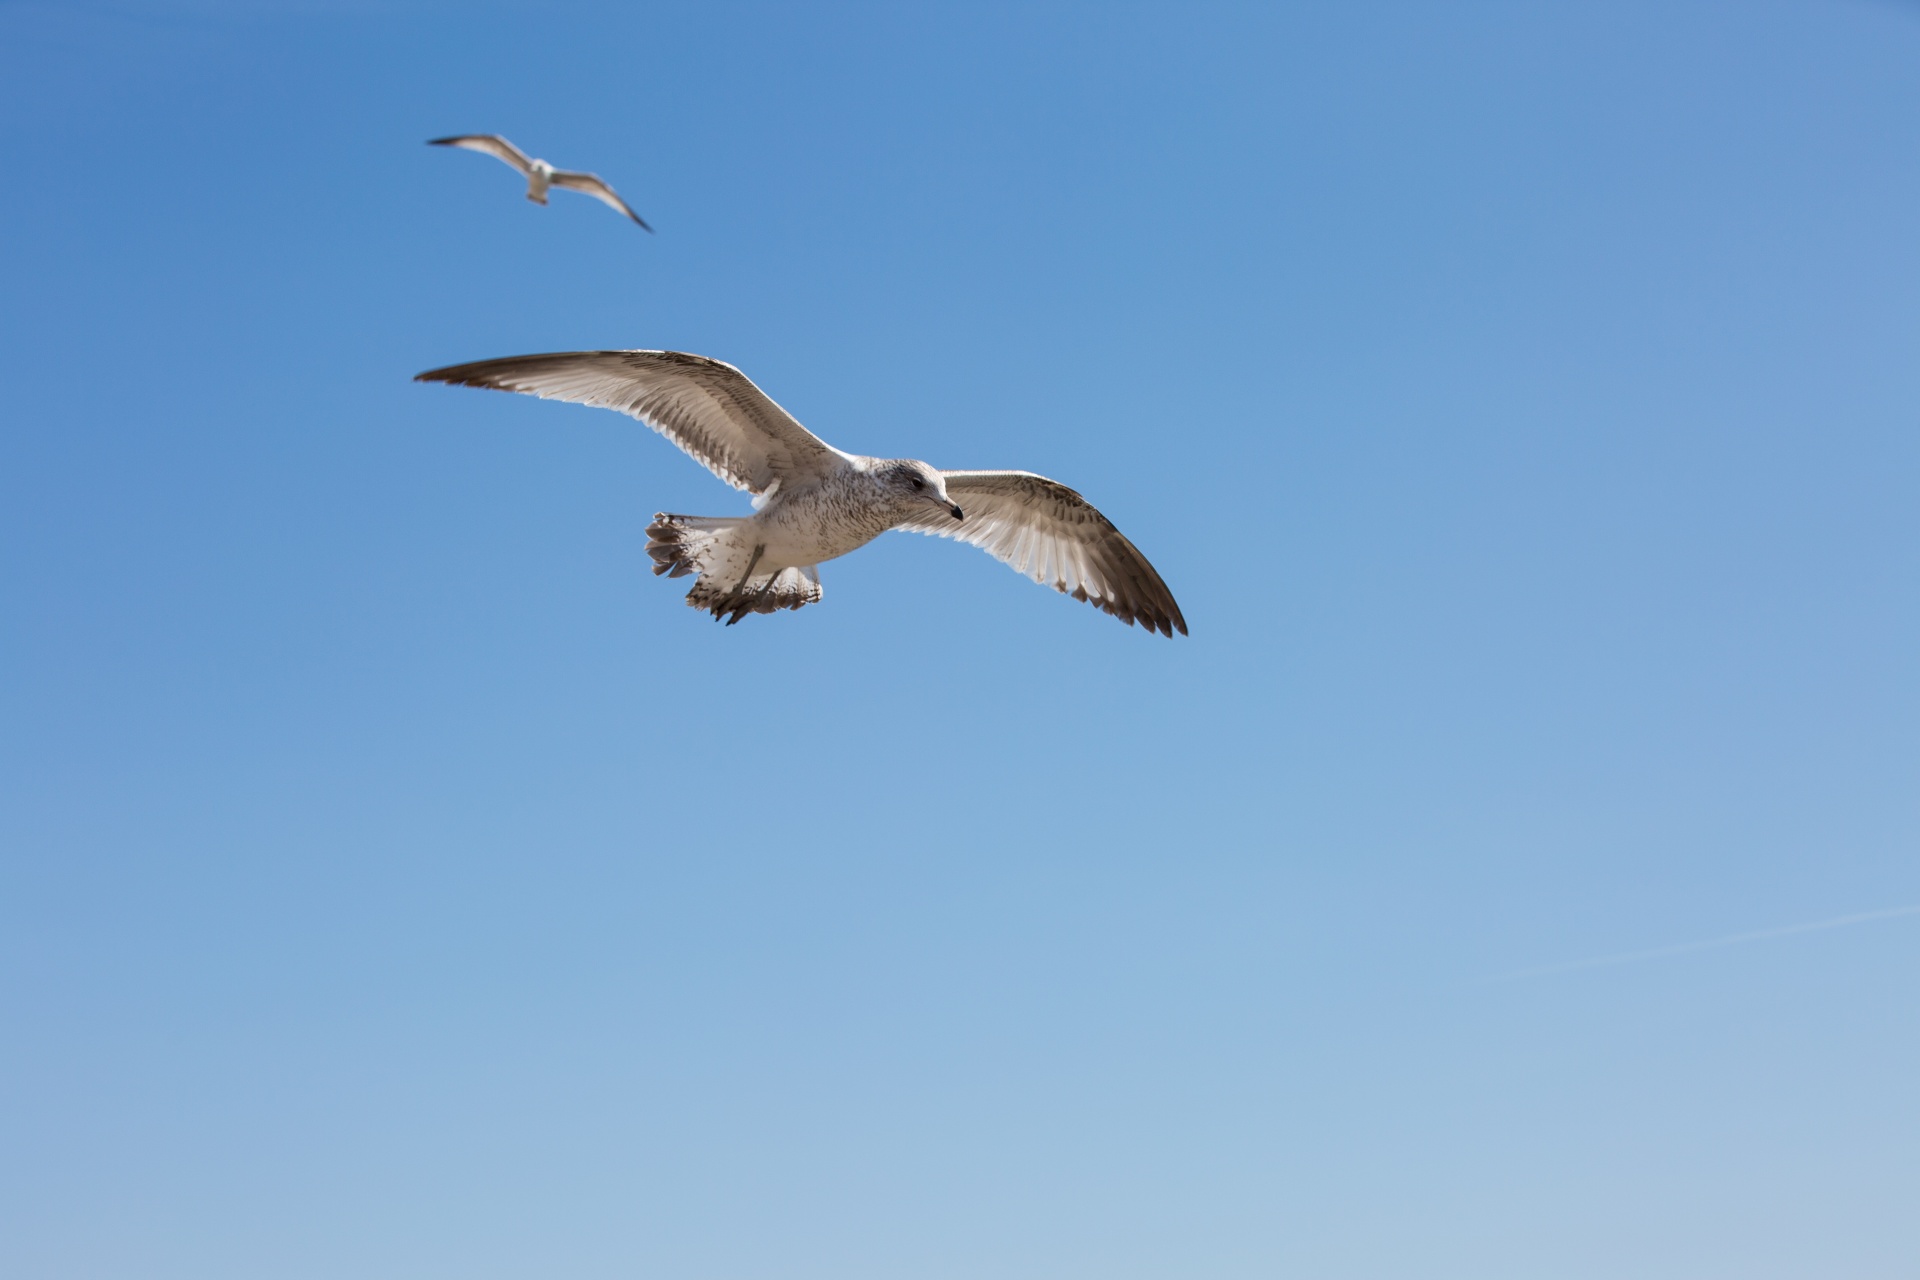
(397, 881)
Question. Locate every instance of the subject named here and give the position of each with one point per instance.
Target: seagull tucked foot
(726, 554)
(779, 589)
(746, 575)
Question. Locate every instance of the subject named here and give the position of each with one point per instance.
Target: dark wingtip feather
(459, 375)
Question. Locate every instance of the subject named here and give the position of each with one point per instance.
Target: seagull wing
(1056, 537)
(591, 184)
(489, 144)
(708, 408)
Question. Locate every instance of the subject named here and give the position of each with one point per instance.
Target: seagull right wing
(491, 144)
(1043, 529)
(707, 407)
(594, 185)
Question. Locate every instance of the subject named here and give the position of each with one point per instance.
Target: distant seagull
(539, 174)
(813, 502)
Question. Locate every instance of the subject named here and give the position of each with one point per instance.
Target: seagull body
(540, 175)
(539, 180)
(813, 502)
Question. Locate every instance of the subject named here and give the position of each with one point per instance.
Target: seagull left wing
(707, 407)
(1053, 535)
(592, 184)
(490, 144)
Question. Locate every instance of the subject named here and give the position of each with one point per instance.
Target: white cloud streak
(1731, 940)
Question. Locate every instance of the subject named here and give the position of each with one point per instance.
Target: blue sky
(396, 880)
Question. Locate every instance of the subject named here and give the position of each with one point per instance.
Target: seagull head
(914, 484)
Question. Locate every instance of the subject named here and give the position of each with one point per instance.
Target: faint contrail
(1628, 957)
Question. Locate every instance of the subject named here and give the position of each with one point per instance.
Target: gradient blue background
(398, 881)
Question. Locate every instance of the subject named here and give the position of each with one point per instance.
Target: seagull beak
(958, 514)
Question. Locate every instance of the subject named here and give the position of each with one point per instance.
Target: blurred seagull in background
(539, 174)
(813, 502)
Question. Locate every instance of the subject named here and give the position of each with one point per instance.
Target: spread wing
(708, 408)
(1056, 537)
(591, 184)
(488, 144)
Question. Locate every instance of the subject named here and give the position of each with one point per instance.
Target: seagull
(539, 174)
(813, 502)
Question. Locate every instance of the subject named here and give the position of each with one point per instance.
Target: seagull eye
(917, 483)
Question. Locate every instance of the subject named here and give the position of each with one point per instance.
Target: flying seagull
(539, 174)
(813, 502)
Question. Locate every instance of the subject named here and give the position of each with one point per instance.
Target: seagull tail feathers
(732, 581)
